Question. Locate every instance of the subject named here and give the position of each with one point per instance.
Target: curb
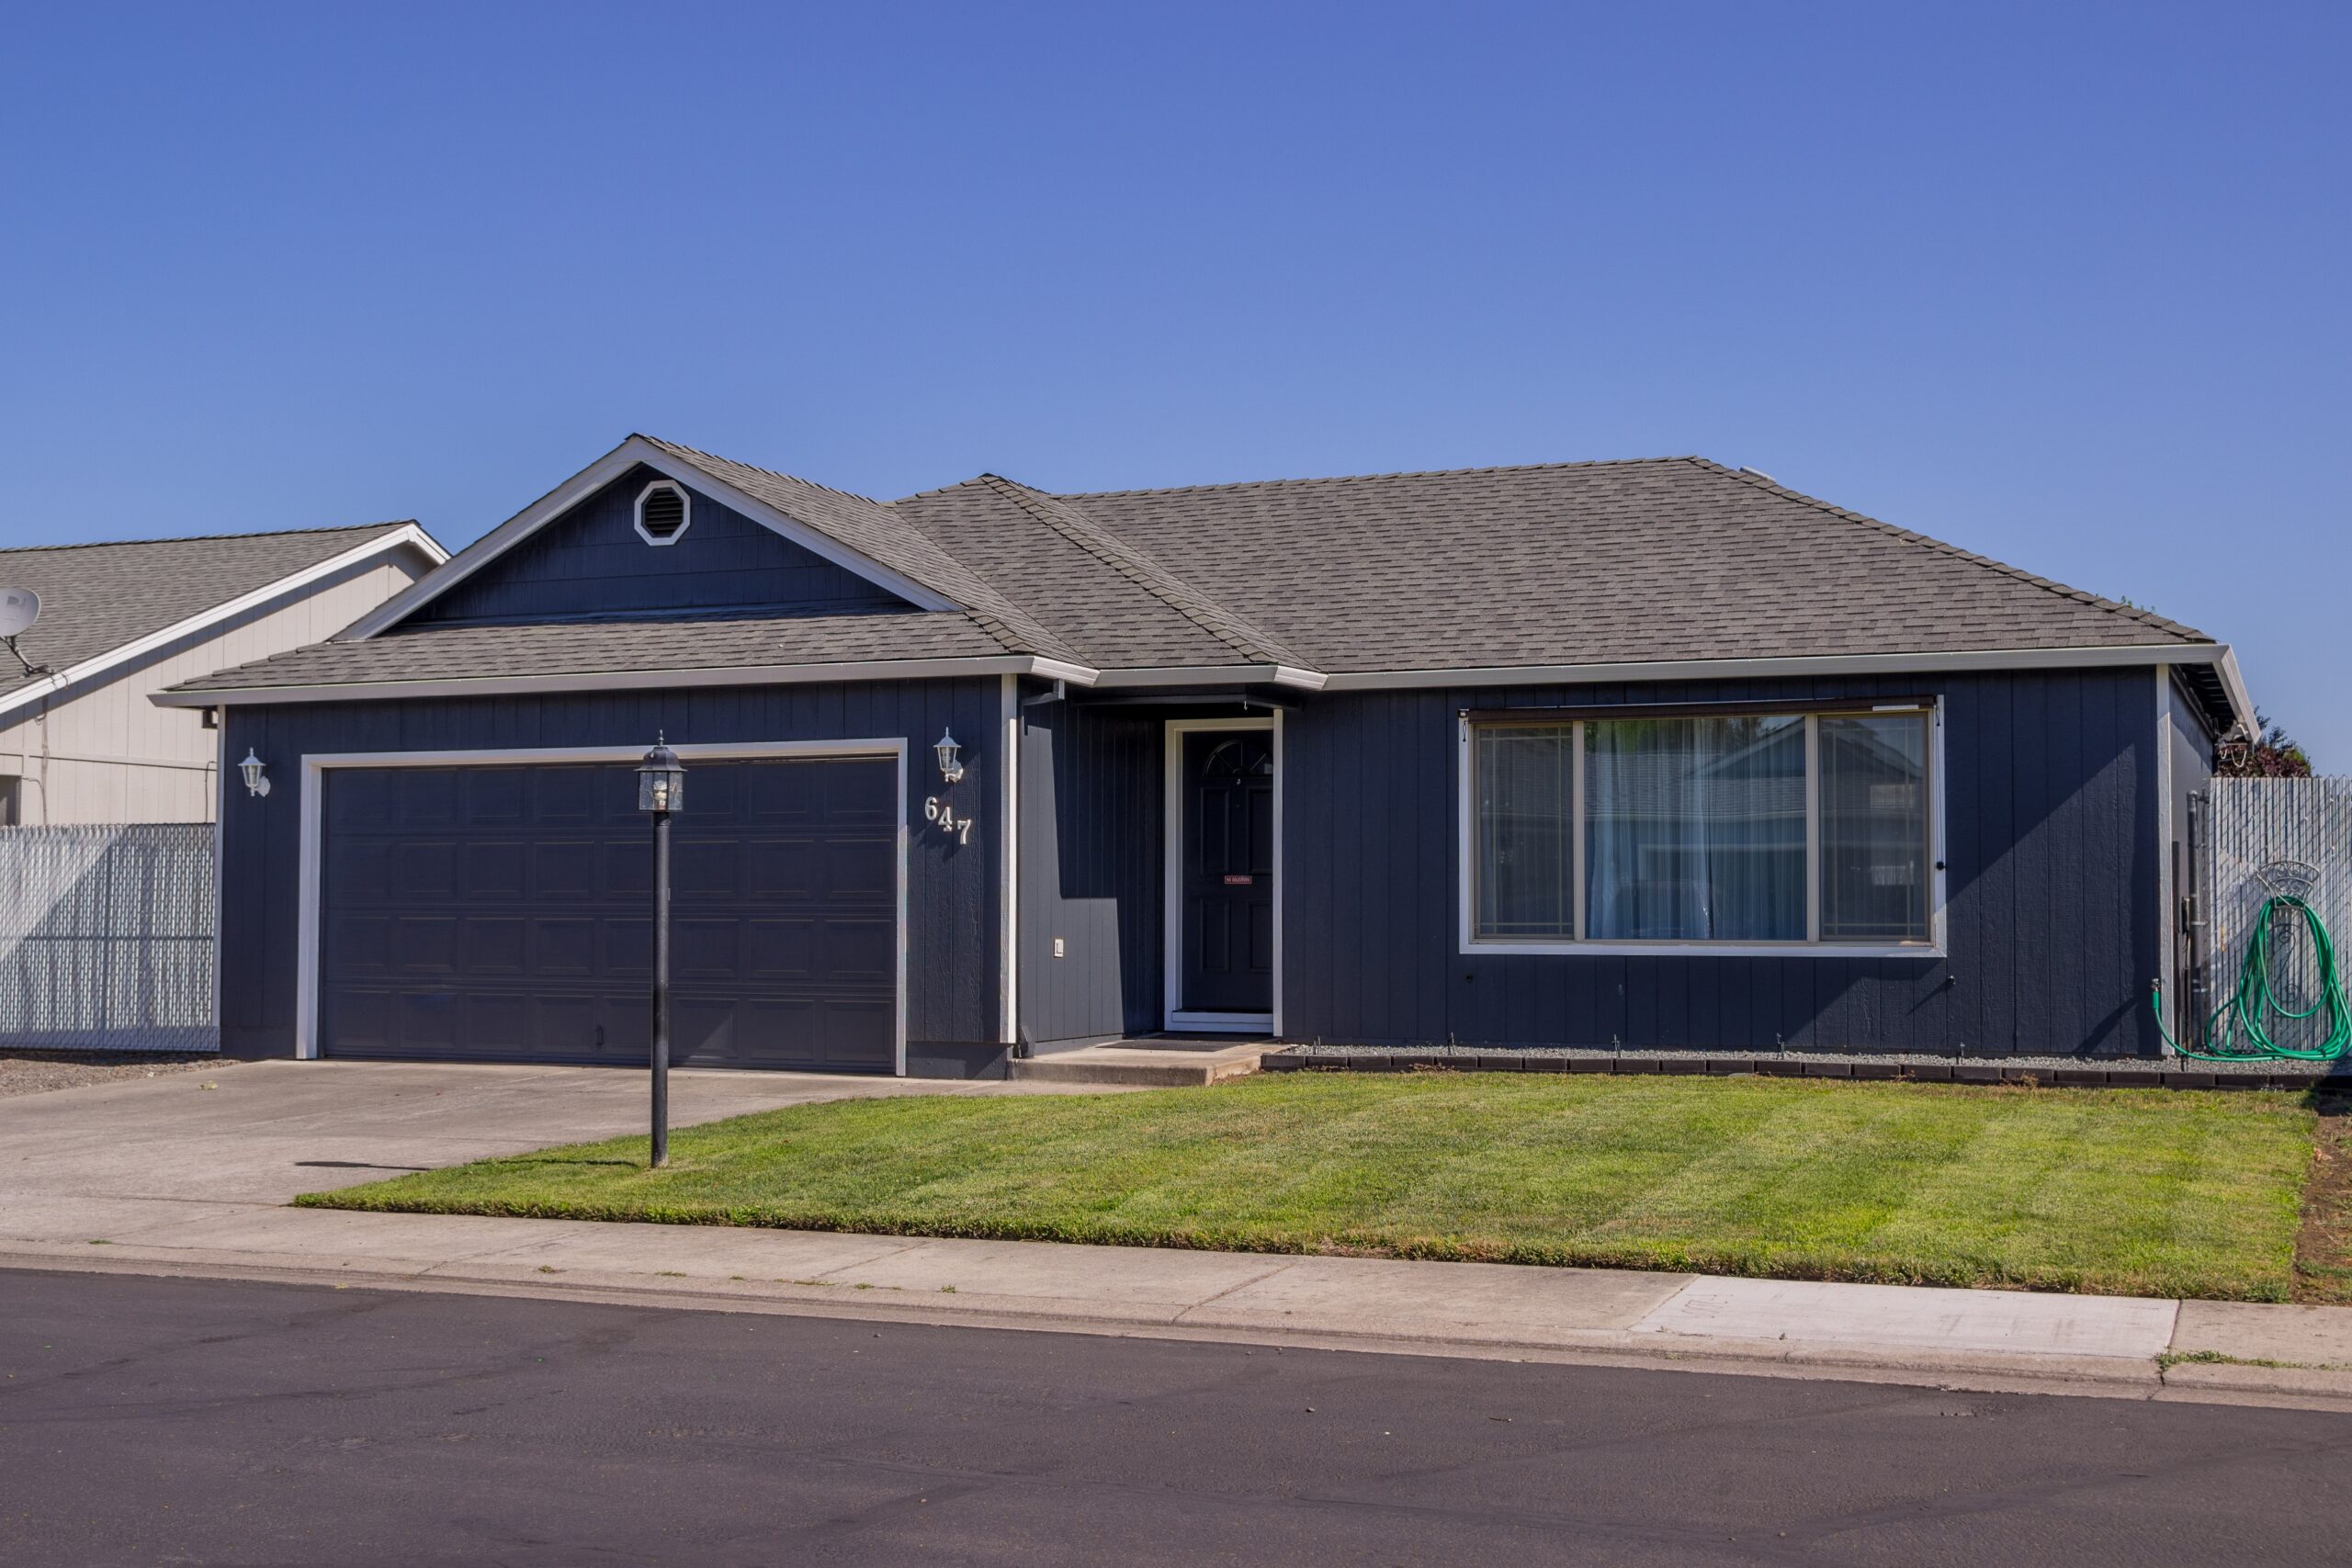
(1988, 1372)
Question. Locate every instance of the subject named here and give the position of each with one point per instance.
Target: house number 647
(937, 810)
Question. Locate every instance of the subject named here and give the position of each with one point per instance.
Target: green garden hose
(2239, 1029)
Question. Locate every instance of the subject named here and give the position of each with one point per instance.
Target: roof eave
(627, 680)
(2122, 656)
(408, 536)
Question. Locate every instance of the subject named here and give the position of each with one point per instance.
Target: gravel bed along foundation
(37, 1072)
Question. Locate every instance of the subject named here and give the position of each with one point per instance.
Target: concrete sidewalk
(169, 1177)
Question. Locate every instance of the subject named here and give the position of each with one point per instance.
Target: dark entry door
(505, 914)
(1228, 861)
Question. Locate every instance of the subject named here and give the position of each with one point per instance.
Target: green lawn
(2125, 1191)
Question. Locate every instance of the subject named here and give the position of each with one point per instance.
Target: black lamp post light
(662, 791)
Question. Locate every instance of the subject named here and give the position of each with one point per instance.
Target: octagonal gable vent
(662, 512)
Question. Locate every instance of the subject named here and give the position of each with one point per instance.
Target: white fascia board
(409, 535)
(1215, 676)
(1836, 664)
(2233, 682)
(595, 477)
(630, 680)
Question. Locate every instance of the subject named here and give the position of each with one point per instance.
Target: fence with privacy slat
(106, 937)
(2245, 825)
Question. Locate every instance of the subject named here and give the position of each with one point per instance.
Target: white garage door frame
(317, 764)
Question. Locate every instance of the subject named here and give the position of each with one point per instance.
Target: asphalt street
(181, 1421)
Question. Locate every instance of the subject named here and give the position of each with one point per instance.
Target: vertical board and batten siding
(592, 561)
(1091, 809)
(954, 957)
(2052, 920)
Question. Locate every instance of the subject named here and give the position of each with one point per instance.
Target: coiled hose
(2240, 1028)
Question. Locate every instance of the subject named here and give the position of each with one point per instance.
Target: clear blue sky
(2066, 286)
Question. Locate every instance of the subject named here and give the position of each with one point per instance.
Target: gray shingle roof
(95, 598)
(885, 536)
(576, 648)
(1667, 559)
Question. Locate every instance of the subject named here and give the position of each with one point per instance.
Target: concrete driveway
(113, 1159)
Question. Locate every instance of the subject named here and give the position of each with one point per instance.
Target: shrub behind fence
(106, 937)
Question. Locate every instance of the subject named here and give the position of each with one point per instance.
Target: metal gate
(2237, 828)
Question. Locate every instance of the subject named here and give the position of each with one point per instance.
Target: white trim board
(629, 454)
(1173, 1013)
(310, 870)
(1009, 860)
(632, 679)
(408, 536)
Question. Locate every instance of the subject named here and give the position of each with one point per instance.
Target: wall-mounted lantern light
(950, 767)
(256, 780)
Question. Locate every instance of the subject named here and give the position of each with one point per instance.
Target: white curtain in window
(1526, 830)
(1695, 830)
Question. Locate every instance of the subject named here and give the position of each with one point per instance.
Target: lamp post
(661, 790)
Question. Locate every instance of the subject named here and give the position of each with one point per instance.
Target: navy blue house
(1658, 753)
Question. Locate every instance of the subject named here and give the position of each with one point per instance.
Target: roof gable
(591, 562)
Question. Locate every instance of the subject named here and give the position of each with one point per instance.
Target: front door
(1228, 871)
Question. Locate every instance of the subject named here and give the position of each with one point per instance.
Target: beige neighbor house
(79, 741)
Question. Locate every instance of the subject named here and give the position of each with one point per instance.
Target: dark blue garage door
(503, 914)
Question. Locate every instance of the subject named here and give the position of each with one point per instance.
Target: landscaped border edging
(2150, 1074)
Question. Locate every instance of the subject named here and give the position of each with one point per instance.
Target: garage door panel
(780, 949)
(424, 944)
(780, 867)
(562, 945)
(858, 950)
(422, 868)
(492, 869)
(495, 795)
(362, 866)
(504, 913)
(705, 948)
(427, 797)
(855, 867)
(705, 870)
(563, 868)
(494, 944)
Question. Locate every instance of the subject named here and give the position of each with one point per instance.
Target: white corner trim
(408, 536)
(1836, 664)
(311, 892)
(632, 680)
(595, 477)
(1173, 1013)
(1009, 856)
(685, 512)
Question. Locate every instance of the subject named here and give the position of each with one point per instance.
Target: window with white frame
(1752, 828)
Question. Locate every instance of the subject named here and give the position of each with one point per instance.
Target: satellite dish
(19, 609)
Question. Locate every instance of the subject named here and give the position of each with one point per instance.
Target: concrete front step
(1143, 1067)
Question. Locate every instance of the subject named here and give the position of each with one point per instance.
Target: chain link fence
(2261, 836)
(107, 939)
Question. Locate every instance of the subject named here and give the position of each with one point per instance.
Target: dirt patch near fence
(37, 1072)
(2323, 1244)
